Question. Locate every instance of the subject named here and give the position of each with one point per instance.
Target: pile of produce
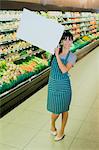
(12, 74)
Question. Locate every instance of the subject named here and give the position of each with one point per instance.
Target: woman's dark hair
(65, 35)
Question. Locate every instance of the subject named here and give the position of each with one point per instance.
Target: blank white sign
(39, 31)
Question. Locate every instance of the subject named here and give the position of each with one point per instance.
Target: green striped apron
(59, 88)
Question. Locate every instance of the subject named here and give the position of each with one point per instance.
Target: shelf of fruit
(12, 73)
(6, 38)
(4, 27)
(17, 46)
(6, 15)
(19, 57)
(74, 17)
(3, 20)
(75, 27)
(8, 31)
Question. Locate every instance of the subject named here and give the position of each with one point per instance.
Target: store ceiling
(79, 5)
(73, 3)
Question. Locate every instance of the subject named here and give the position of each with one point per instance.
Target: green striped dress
(59, 88)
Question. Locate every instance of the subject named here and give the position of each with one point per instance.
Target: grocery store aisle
(27, 126)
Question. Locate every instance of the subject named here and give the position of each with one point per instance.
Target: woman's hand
(57, 52)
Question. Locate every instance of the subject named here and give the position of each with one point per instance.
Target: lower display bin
(85, 50)
(20, 93)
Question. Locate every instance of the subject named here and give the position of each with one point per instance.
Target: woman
(59, 87)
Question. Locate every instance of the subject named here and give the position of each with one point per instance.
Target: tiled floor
(27, 126)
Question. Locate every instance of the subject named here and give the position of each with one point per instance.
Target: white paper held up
(39, 31)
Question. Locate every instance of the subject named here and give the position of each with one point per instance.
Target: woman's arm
(63, 68)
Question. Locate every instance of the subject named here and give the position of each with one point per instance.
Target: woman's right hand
(57, 52)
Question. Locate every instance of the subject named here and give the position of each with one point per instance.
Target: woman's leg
(64, 121)
(63, 124)
(53, 119)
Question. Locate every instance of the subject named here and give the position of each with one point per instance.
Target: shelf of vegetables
(23, 68)
(19, 78)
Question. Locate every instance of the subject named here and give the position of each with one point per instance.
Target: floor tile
(89, 131)
(15, 113)
(3, 124)
(78, 112)
(96, 103)
(45, 141)
(82, 144)
(7, 147)
(16, 135)
(31, 119)
(93, 116)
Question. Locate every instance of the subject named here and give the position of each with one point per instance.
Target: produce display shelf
(35, 53)
(83, 36)
(78, 17)
(77, 28)
(10, 30)
(9, 20)
(2, 55)
(76, 22)
(83, 30)
(86, 26)
(82, 27)
(38, 52)
(18, 94)
(9, 42)
(87, 30)
(86, 49)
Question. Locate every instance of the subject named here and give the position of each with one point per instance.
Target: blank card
(39, 31)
